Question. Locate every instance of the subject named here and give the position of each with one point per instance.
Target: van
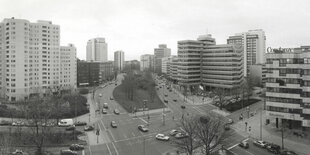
(105, 105)
(65, 122)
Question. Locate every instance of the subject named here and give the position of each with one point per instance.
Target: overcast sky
(138, 26)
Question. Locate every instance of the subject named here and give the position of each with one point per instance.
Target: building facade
(132, 65)
(222, 66)
(258, 75)
(31, 59)
(147, 62)
(97, 50)
(288, 86)
(161, 52)
(119, 60)
(94, 73)
(254, 47)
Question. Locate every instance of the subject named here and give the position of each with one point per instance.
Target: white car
(260, 143)
(100, 95)
(173, 132)
(162, 137)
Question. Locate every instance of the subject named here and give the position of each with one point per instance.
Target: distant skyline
(138, 26)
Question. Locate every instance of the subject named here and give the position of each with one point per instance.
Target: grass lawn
(140, 95)
(231, 107)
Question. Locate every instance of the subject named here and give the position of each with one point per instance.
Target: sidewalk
(271, 134)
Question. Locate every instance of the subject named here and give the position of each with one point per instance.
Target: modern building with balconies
(288, 86)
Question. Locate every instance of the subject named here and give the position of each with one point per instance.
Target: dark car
(175, 100)
(111, 98)
(181, 135)
(76, 147)
(113, 124)
(116, 111)
(68, 152)
(71, 127)
(104, 111)
(288, 153)
(79, 123)
(88, 128)
(143, 128)
(183, 106)
(273, 148)
(244, 144)
(4, 122)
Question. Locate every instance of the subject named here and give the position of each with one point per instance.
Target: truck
(65, 122)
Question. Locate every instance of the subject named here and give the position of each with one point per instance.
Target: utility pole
(282, 133)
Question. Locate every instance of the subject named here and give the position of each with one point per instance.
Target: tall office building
(161, 52)
(97, 50)
(119, 60)
(201, 62)
(288, 87)
(254, 47)
(147, 62)
(31, 58)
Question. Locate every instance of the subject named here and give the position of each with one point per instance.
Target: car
(80, 123)
(173, 132)
(227, 126)
(111, 98)
(166, 95)
(183, 106)
(288, 153)
(71, 127)
(244, 144)
(105, 105)
(68, 152)
(100, 95)
(273, 148)
(181, 135)
(4, 122)
(230, 121)
(260, 143)
(18, 123)
(104, 111)
(170, 90)
(116, 111)
(162, 137)
(113, 124)
(19, 152)
(166, 101)
(76, 147)
(88, 128)
(143, 128)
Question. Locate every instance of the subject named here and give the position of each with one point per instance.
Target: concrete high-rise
(97, 50)
(119, 60)
(32, 61)
(288, 86)
(254, 47)
(147, 62)
(161, 52)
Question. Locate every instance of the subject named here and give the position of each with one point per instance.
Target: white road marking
(115, 149)
(237, 144)
(134, 137)
(89, 150)
(83, 152)
(109, 149)
(111, 135)
(143, 120)
(103, 125)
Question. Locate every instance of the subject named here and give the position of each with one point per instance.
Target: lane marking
(237, 144)
(89, 150)
(143, 120)
(111, 135)
(103, 125)
(115, 149)
(134, 137)
(108, 148)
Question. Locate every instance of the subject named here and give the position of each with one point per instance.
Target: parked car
(19, 152)
(113, 124)
(104, 111)
(143, 128)
(68, 152)
(175, 100)
(116, 111)
(227, 126)
(244, 144)
(183, 106)
(173, 132)
(273, 148)
(4, 122)
(111, 98)
(80, 123)
(100, 95)
(166, 101)
(260, 143)
(288, 153)
(230, 121)
(181, 135)
(76, 147)
(88, 128)
(162, 137)
(18, 123)
(105, 105)
(71, 127)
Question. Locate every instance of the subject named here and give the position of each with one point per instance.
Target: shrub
(84, 91)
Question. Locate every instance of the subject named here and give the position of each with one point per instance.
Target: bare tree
(39, 112)
(220, 93)
(190, 143)
(210, 131)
